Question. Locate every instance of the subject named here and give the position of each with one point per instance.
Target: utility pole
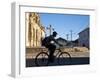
(71, 36)
(50, 29)
(67, 35)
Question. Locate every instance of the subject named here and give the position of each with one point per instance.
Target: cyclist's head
(54, 33)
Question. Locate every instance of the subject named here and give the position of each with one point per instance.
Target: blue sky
(64, 23)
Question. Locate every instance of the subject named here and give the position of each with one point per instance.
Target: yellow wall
(34, 30)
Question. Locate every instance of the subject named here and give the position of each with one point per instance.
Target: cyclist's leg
(51, 48)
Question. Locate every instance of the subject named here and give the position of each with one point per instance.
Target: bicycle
(63, 58)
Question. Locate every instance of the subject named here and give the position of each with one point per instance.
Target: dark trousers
(51, 49)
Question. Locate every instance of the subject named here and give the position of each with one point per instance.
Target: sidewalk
(74, 52)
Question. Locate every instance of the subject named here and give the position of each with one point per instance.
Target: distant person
(47, 42)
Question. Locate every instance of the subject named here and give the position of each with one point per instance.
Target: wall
(34, 30)
(84, 38)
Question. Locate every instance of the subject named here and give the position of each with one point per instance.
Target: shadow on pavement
(74, 61)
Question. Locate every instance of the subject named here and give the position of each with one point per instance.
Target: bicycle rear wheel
(64, 58)
(41, 59)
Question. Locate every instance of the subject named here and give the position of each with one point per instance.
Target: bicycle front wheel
(64, 58)
(41, 59)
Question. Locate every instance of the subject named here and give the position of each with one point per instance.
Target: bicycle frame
(58, 52)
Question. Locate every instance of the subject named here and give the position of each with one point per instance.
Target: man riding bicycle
(47, 42)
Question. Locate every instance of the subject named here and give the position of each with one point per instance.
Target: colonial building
(84, 38)
(34, 30)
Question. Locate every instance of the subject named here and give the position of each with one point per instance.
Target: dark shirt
(50, 38)
(47, 40)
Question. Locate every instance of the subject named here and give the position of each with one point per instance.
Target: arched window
(33, 36)
(36, 37)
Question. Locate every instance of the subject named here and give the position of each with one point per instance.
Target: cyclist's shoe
(52, 59)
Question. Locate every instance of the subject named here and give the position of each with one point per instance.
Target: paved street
(77, 59)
